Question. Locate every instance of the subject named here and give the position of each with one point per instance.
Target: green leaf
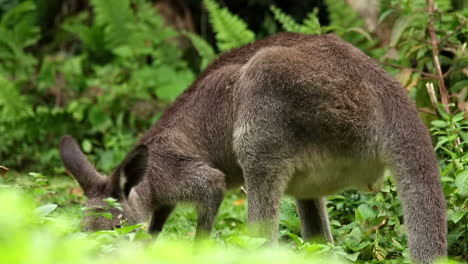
(464, 135)
(312, 24)
(171, 83)
(399, 27)
(101, 214)
(231, 31)
(124, 51)
(352, 257)
(356, 234)
(246, 241)
(98, 119)
(461, 182)
(457, 216)
(442, 112)
(127, 229)
(203, 48)
(385, 15)
(314, 247)
(439, 123)
(113, 203)
(14, 106)
(37, 175)
(116, 16)
(458, 86)
(286, 21)
(87, 146)
(139, 236)
(441, 141)
(295, 238)
(20, 26)
(458, 117)
(360, 31)
(364, 212)
(46, 209)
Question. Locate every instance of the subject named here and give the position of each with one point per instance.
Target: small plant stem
(427, 111)
(444, 97)
(435, 55)
(430, 75)
(456, 31)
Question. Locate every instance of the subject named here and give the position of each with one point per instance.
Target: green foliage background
(107, 74)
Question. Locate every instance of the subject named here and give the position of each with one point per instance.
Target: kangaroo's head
(98, 187)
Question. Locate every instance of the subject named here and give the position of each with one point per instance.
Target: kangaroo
(303, 115)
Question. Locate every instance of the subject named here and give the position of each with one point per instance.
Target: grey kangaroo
(303, 115)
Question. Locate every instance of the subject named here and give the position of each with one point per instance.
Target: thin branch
(444, 97)
(435, 54)
(430, 75)
(448, 72)
(427, 111)
(456, 31)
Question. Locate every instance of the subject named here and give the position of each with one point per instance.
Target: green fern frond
(231, 31)
(13, 105)
(203, 48)
(117, 17)
(286, 21)
(360, 31)
(342, 17)
(92, 37)
(310, 25)
(21, 22)
(18, 30)
(346, 23)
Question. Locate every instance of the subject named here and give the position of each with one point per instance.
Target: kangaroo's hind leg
(266, 135)
(159, 217)
(314, 219)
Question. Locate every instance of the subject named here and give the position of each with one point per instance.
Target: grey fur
(298, 114)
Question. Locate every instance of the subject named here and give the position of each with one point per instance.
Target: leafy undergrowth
(40, 220)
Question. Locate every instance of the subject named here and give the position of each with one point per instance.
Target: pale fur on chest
(318, 174)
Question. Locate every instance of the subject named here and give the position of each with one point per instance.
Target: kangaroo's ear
(78, 165)
(131, 171)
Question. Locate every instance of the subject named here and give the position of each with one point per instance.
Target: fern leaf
(13, 105)
(117, 17)
(18, 30)
(343, 17)
(286, 21)
(231, 31)
(360, 31)
(203, 48)
(20, 22)
(311, 24)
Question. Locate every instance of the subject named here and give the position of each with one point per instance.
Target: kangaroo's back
(238, 56)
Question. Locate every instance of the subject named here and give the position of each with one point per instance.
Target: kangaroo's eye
(117, 226)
